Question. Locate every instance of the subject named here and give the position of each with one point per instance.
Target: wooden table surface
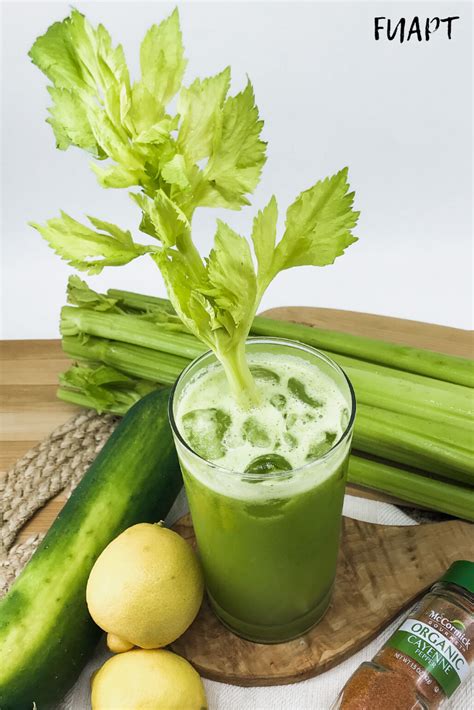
(29, 372)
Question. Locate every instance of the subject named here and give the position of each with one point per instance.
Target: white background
(399, 115)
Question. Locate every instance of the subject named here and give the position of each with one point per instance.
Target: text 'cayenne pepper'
(429, 655)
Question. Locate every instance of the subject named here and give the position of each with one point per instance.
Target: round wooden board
(378, 576)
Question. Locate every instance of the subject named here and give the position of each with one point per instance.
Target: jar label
(433, 651)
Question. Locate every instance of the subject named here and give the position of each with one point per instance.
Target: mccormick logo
(456, 627)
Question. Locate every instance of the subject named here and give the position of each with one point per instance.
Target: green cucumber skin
(135, 478)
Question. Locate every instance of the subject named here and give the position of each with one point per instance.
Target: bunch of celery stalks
(413, 435)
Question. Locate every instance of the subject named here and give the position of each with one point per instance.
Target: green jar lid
(462, 574)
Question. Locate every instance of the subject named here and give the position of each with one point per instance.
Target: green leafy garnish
(106, 387)
(80, 294)
(207, 154)
(317, 229)
(87, 249)
(218, 299)
(96, 107)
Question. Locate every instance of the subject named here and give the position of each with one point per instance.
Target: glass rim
(275, 475)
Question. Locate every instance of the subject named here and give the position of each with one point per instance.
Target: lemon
(145, 588)
(117, 644)
(147, 680)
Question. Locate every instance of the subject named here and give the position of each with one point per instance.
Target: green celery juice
(266, 485)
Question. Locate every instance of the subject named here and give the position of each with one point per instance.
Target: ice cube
(298, 390)
(204, 430)
(268, 463)
(290, 440)
(262, 373)
(291, 421)
(321, 447)
(255, 433)
(294, 420)
(278, 401)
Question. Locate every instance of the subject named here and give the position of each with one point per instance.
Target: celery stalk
(449, 368)
(415, 442)
(131, 359)
(409, 393)
(129, 329)
(140, 301)
(103, 387)
(81, 399)
(411, 487)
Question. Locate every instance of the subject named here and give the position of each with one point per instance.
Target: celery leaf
(318, 225)
(91, 97)
(238, 154)
(142, 112)
(80, 294)
(193, 308)
(95, 107)
(263, 238)
(200, 107)
(53, 54)
(162, 59)
(86, 249)
(162, 218)
(117, 176)
(104, 387)
(103, 65)
(218, 302)
(80, 59)
(231, 276)
(69, 121)
(174, 171)
(158, 132)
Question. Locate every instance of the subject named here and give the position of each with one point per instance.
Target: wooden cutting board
(29, 371)
(381, 571)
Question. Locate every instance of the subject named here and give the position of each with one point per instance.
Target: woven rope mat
(54, 465)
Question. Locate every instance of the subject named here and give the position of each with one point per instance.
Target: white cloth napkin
(315, 694)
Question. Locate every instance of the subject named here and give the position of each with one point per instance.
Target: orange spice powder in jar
(429, 655)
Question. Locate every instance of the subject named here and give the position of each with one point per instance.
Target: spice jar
(428, 656)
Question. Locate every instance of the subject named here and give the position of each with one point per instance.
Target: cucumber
(46, 633)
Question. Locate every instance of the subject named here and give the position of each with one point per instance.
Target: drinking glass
(268, 542)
